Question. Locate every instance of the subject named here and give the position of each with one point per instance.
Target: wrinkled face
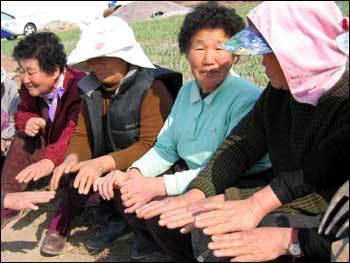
(34, 79)
(108, 70)
(209, 62)
(274, 72)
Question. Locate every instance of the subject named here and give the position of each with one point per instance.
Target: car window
(5, 16)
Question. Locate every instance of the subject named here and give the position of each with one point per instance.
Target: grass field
(159, 41)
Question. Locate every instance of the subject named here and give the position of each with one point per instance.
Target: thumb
(33, 207)
(76, 168)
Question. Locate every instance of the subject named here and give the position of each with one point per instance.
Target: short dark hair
(208, 15)
(46, 47)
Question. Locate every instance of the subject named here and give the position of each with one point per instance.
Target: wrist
(48, 163)
(159, 186)
(106, 163)
(195, 195)
(294, 248)
(266, 200)
(73, 157)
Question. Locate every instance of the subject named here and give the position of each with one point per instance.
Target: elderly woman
(126, 100)
(46, 115)
(205, 111)
(304, 107)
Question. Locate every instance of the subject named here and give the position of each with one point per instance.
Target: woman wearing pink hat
(303, 108)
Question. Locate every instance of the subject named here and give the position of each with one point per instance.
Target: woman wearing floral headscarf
(303, 108)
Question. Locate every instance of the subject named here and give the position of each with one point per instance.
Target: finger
(230, 236)
(95, 184)
(104, 187)
(38, 175)
(20, 177)
(100, 188)
(42, 123)
(213, 205)
(32, 206)
(129, 202)
(133, 208)
(179, 223)
(209, 222)
(187, 228)
(127, 188)
(223, 244)
(82, 183)
(168, 212)
(89, 182)
(230, 252)
(75, 168)
(77, 180)
(110, 187)
(220, 229)
(210, 214)
(55, 179)
(30, 175)
(150, 210)
(124, 197)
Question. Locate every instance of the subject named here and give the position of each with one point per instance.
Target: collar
(57, 91)
(196, 95)
(90, 83)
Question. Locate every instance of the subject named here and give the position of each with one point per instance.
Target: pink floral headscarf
(303, 36)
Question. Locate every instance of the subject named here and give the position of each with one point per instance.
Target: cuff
(233, 193)
(171, 184)
(204, 185)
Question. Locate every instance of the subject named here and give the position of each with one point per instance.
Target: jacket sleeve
(56, 151)
(79, 142)
(154, 110)
(313, 245)
(322, 168)
(26, 109)
(245, 145)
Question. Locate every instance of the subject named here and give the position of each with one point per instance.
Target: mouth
(210, 73)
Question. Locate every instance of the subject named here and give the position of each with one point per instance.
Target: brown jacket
(154, 110)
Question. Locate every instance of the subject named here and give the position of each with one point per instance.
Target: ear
(56, 73)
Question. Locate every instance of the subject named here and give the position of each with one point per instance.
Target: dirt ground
(21, 239)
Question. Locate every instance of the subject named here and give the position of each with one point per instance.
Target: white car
(12, 26)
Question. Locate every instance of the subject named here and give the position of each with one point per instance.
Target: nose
(24, 78)
(209, 58)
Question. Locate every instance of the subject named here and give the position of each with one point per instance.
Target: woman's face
(274, 72)
(108, 70)
(209, 62)
(34, 79)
